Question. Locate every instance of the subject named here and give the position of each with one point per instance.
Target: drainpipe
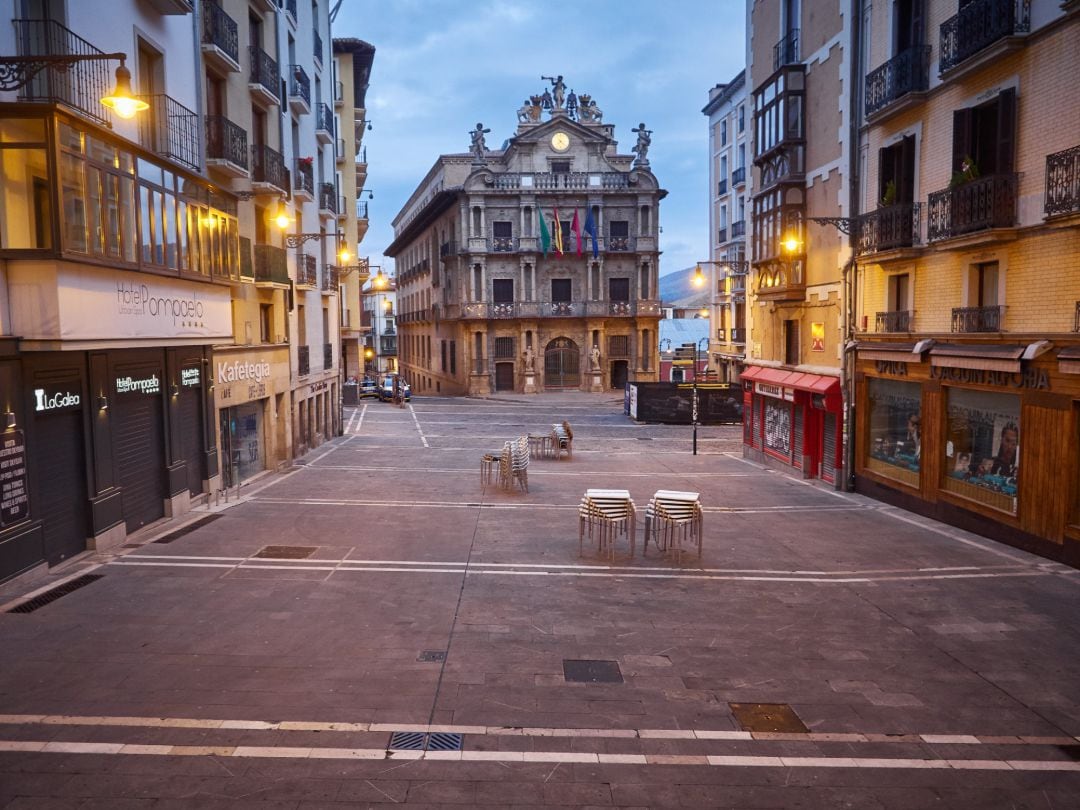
(850, 276)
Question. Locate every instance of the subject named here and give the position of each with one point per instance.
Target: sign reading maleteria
(112, 304)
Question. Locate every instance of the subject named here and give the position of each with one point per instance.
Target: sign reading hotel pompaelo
(95, 305)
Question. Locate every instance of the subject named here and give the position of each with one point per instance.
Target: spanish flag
(558, 234)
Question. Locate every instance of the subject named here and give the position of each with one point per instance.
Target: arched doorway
(562, 364)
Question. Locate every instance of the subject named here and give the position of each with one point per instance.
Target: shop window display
(982, 447)
(895, 429)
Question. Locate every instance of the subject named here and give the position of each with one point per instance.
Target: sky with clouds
(443, 65)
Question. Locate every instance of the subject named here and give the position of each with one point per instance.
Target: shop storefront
(317, 411)
(250, 398)
(984, 436)
(793, 419)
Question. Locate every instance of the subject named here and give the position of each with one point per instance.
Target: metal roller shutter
(799, 437)
(828, 463)
(61, 499)
(140, 456)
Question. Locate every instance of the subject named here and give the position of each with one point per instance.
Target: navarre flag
(575, 227)
(590, 230)
(557, 227)
(545, 237)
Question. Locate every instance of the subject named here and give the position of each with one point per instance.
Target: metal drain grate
(43, 599)
(587, 671)
(644, 438)
(407, 741)
(418, 741)
(444, 741)
(195, 524)
(287, 552)
(777, 717)
(431, 655)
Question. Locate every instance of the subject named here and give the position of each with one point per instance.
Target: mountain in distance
(677, 285)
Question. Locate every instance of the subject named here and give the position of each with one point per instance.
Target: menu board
(14, 489)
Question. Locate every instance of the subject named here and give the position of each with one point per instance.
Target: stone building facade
(484, 307)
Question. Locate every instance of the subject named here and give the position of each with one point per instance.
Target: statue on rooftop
(641, 148)
(588, 112)
(558, 89)
(478, 147)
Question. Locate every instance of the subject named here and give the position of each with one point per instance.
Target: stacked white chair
(605, 514)
(673, 519)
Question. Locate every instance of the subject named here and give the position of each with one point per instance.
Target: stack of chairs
(673, 519)
(606, 513)
(511, 464)
(562, 439)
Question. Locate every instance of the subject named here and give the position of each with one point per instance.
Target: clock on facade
(560, 141)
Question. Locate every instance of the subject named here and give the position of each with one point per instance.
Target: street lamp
(295, 240)
(370, 193)
(18, 71)
(694, 398)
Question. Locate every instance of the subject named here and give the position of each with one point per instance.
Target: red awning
(829, 387)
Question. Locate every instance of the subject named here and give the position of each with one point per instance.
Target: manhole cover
(778, 717)
(287, 552)
(432, 655)
(592, 672)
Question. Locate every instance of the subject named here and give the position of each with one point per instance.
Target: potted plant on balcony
(305, 162)
(889, 197)
(969, 171)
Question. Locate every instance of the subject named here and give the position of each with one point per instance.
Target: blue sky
(442, 65)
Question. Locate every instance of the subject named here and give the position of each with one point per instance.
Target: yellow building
(793, 409)
(967, 308)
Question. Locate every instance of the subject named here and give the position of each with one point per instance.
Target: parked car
(386, 387)
(368, 388)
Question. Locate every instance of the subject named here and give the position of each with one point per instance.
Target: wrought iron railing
(306, 271)
(226, 141)
(988, 202)
(327, 356)
(906, 72)
(738, 228)
(264, 70)
(556, 309)
(721, 186)
(387, 344)
(1062, 195)
(738, 176)
(303, 360)
(889, 228)
(786, 51)
(79, 86)
(304, 178)
(331, 278)
(171, 130)
(361, 210)
(977, 319)
(448, 249)
(327, 197)
(299, 84)
(268, 166)
(978, 25)
(318, 46)
(721, 235)
(271, 264)
(324, 117)
(220, 30)
(894, 321)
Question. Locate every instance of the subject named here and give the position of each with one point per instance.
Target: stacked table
(606, 513)
(673, 518)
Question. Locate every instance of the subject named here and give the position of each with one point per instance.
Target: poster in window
(982, 447)
(895, 423)
(817, 337)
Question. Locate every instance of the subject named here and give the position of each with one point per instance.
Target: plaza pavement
(916, 665)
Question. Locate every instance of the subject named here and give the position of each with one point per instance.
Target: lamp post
(18, 71)
(694, 397)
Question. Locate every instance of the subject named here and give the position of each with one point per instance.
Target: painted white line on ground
(416, 422)
(530, 731)
(725, 761)
(532, 471)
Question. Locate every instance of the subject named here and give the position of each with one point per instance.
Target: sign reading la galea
(45, 400)
(93, 304)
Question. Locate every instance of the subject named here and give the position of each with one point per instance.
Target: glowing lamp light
(344, 254)
(699, 277)
(791, 244)
(380, 280)
(121, 101)
(281, 218)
